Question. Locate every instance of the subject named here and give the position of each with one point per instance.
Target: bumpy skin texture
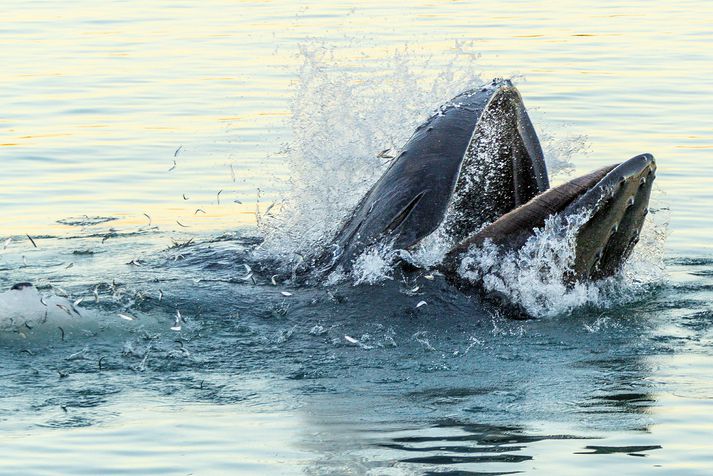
(427, 180)
(618, 205)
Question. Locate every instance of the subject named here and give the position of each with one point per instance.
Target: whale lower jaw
(614, 201)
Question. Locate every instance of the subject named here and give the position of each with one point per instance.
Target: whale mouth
(474, 160)
(474, 174)
(614, 202)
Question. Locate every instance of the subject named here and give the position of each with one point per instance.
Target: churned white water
(537, 277)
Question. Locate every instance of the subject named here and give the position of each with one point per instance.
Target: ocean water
(171, 162)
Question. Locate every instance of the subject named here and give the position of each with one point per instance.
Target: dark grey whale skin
(411, 198)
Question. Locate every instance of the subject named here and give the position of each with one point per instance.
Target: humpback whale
(475, 172)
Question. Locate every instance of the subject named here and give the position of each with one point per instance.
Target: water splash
(536, 277)
(560, 147)
(646, 267)
(347, 125)
(23, 309)
(374, 265)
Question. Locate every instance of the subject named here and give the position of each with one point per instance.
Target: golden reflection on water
(96, 100)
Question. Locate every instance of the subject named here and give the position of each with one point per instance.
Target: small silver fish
(177, 324)
(64, 308)
(269, 208)
(60, 292)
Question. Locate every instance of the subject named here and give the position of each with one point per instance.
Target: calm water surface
(141, 114)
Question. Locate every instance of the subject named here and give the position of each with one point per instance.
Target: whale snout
(617, 206)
